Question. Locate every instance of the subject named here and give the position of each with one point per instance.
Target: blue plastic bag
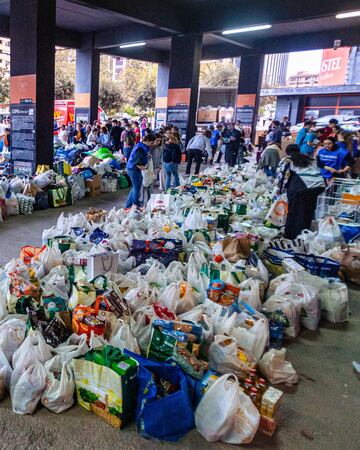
(350, 232)
(319, 266)
(167, 418)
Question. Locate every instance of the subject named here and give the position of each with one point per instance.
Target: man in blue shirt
(214, 140)
(137, 162)
(305, 138)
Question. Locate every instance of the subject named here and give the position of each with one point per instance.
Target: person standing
(115, 135)
(137, 132)
(195, 149)
(136, 164)
(301, 138)
(172, 159)
(214, 141)
(105, 140)
(127, 140)
(270, 159)
(334, 162)
(231, 139)
(302, 181)
(331, 130)
(285, 126)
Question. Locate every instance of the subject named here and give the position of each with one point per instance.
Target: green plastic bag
(103, 153)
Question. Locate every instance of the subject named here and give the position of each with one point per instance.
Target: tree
(110, 97)
(4, 86)
(219, 74)
(138, 81)
(64, 74)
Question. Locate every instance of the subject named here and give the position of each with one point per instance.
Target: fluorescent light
(246, 29)
(134, 44)
(347, 15)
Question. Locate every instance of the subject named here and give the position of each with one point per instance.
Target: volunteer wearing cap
(136, 164)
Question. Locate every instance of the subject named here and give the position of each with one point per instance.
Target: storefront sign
(334, 66)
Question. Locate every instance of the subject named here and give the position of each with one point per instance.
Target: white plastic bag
(223, 356)
(5, 373)
(178, 297)
(148, 174)
(276, 369)
(290, 309)
(254, 339)
(59, 392)
(73, 347)
(226, 414)
(27, 392)
(195, 220)
(34, 348)
(12, 335)
(334, 300)
(250, 293)
(329, 232)
(123, 339)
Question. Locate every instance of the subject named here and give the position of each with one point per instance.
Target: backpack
(130, 138)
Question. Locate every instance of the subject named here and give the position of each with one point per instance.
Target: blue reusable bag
(350, 232)
(168, 418)
(318, 265)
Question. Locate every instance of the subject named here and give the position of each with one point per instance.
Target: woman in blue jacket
(136, 164)
(172, 159)
(333, 161)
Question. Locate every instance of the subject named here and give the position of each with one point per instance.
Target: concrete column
(248, 96)
(87, 81)
(32, 82)
(161, 101)
(184, 83)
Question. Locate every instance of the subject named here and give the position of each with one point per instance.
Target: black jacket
(172, 153)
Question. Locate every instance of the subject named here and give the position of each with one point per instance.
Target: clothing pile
(175, 316)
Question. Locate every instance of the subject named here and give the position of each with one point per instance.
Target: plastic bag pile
(77, 172)
(196, 284)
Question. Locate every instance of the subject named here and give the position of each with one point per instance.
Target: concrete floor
(322, 412)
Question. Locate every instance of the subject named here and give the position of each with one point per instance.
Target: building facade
(5, 54)
(275, 69)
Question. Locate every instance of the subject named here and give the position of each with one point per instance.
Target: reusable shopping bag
(101, 264)
(318, 265)
(166, 418)
(60, 196)
(278, 212)
(227, 414)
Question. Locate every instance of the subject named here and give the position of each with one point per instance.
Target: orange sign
(179, 97)
(333, 66)
(23, 87)
(161, 102)
(244, 100)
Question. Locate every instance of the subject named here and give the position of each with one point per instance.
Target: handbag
(168, 417)
(41, 201)
(26, 203)
(318, 265)
(60, 196)
(101, 264)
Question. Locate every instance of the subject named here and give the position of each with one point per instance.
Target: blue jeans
(134, 195)
(171, 169)
(127, 152)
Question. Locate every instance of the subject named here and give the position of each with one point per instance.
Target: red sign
(333, 66)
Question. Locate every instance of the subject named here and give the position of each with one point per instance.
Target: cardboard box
(93, 186)
(208, 115)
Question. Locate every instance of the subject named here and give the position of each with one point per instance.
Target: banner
(334, 66)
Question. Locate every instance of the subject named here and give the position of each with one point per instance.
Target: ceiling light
(246, 29)
(134, 44)
(347, 15)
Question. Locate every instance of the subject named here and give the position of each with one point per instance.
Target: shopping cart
(341, 200)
